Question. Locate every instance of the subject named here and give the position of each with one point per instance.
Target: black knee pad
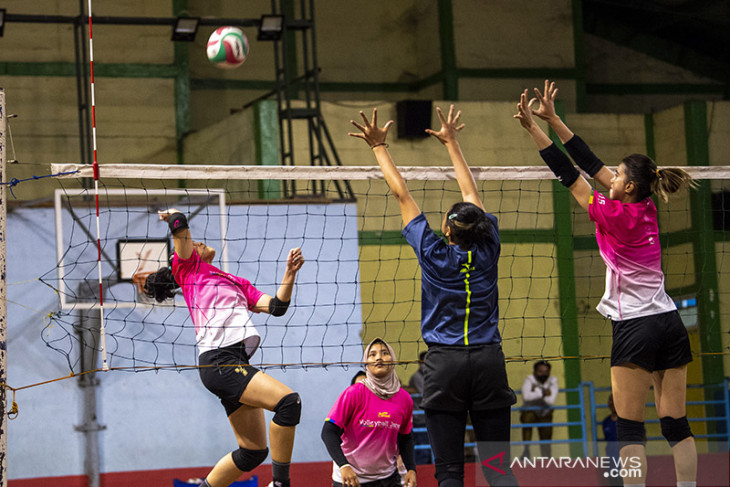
(630, 432)
(675, 430)
(288, 411)
(246, 460)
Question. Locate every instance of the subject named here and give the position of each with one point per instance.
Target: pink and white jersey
(372, 425)
(628, 238)
(219, 304)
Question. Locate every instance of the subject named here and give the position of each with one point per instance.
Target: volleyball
(227, 47)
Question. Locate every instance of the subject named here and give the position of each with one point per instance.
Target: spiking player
(220, 305)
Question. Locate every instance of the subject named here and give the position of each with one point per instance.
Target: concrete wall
(370, 52)
(607, 63)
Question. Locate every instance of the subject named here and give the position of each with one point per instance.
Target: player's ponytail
(671, 180)
(161, 285)
(649, 179)
(468, 225)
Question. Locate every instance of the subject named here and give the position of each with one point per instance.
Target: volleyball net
(360, 279)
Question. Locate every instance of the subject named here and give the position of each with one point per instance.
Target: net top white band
(335, 173)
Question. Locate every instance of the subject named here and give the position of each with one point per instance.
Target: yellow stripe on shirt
(468, 298)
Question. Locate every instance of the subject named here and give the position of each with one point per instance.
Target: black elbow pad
(278, 307)
(560, 165)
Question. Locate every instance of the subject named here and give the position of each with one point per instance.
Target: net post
(705, 254)
(3, 300)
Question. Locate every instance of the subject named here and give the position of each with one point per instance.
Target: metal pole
(3, 302)
(82, 91)
(88, 329)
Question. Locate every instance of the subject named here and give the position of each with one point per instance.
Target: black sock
(205, 483)
(280, 472)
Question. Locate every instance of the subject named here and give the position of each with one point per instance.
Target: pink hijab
(383, 387)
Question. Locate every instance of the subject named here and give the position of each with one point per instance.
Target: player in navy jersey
(650, 342)
(464, 369)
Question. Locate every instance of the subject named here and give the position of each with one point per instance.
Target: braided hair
(468, 225)
(649, 179)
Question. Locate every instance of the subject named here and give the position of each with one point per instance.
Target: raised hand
(524, 111)
(371, 133)
(546, 110)
(165, 214)
(449, 126)
(294, 260)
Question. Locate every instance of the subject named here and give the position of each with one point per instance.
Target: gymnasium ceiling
(692, 34)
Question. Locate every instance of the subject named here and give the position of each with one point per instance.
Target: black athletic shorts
(655, 342)
(463, 378)
(225, 372)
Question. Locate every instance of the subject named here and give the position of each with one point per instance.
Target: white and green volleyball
(227, 47)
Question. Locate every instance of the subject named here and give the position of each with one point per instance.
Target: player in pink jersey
(219, 305)
(650, 342)
(370, 424)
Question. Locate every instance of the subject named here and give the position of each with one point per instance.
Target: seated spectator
(538, 393)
